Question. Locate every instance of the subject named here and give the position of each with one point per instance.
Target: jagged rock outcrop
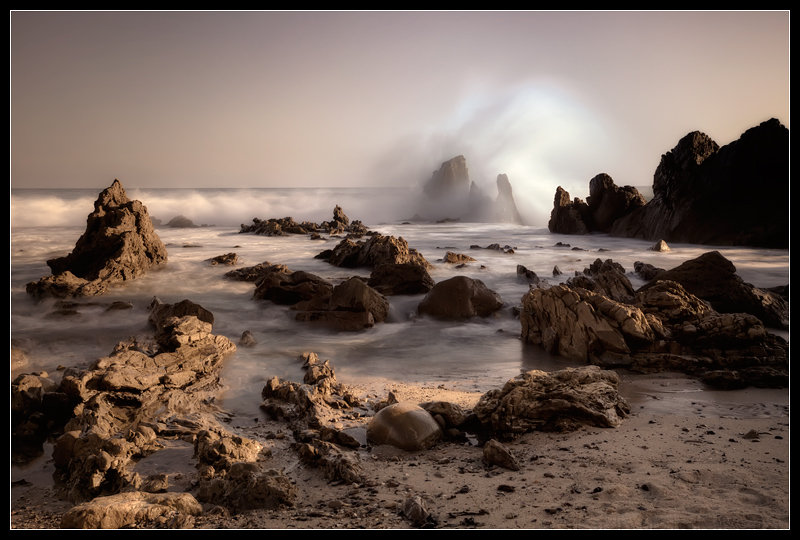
(505, 207)
(125, 402)
(664, 327)
(257, 272)
(567, 215)
(458, 298)
(557, 401)
(713, 278)
(280, 285)
(734, 195)
(313, 409)
(119, 244)
(456, 258)
(606, 203)
(607, 278)
(375, 251)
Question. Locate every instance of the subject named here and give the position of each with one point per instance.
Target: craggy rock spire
(119, 244)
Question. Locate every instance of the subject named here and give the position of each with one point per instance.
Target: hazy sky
(275, 99)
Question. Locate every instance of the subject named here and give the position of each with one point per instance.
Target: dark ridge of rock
(558, 401)
(567, 217)
(404, 278)
(646, 270)
(458, 298)
(257, 272)
(119, 244)
(734, 195)
(713, 278)
(181, 222)
(377, 250)
(608, 202)
(282, 286)
(340, 224)
(529, 275)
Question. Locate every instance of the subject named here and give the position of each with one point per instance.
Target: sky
(346, 99)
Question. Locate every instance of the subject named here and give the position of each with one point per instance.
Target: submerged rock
(404, 278)
(460, 297)
(119, 244)
(457, 258)
(351, 305)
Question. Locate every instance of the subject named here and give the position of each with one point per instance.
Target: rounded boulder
(404, 425)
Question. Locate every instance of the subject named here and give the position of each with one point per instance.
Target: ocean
(476, 355)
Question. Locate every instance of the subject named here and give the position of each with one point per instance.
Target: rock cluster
(375, 251)
(119, 244)
(702, 194)
(450, 195)
(340, 224)
(662, 326)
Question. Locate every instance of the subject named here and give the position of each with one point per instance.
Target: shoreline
(700, 469)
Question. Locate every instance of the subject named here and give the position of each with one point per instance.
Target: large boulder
(713, 278)
(734, 195)
(351, 305)
(404, 425)
(282, 286)
(119, 244)
(558, 401)
(403, 278)
(458, 298)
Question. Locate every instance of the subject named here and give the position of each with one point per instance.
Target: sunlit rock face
(450, 194)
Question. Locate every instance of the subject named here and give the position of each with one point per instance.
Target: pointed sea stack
(119, 244)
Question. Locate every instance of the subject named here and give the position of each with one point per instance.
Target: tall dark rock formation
(734, 195)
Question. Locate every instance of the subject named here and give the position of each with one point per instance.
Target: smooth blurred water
(476, 355)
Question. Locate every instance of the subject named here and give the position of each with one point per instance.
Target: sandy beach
(721, 463)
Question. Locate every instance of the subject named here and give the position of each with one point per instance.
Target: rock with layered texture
(734, 195)
(458, 298)
(713, 278)
(375, 251)
(143, 391)
(135, 509)
(558, 401)
(282, 286)
(664, 328)
(119, 244)
(607, 278)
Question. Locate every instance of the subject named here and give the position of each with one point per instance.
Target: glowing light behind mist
(540, 134)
